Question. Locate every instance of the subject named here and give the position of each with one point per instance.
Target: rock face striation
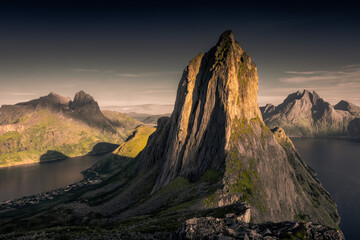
(306, 114)
(217, 126)
(217, 91)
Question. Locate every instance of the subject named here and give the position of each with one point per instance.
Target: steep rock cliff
(217, 126)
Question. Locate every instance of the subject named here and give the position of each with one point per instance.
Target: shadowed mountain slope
(306, 114)
(30, 129)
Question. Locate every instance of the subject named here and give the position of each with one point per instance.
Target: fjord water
(25, 180)
(337, 162)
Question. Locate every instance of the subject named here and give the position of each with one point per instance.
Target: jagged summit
(83, 108)
(216, 89)
(49, 123)
(307, 114)
(85, 103)
(227, 36)
(305, 95)
(82, 98)
(349, 107)
(217, 126)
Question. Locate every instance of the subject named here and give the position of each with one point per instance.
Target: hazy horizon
(128, 54)
(121, 106)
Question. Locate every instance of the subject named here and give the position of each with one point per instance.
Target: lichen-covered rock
(230, 228)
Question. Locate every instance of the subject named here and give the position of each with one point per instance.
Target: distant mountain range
(306, 114)
(143, 109)
(58, 124)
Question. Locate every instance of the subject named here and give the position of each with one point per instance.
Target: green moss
(242, 179)
(242, 74)
(9, 135)
(211, 201)
(211, 176)
(245, 181)
(240, 129)
(299, 234)
(175, 184)
(301, 217)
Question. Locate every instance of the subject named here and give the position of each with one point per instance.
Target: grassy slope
(133, 146)
(43, 130)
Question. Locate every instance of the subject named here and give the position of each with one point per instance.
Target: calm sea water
(25, 180)
(337, 162)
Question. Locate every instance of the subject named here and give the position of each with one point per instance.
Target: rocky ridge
(55, 123)
(217, 126)
(306, 114)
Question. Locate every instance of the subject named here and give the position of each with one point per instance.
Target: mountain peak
(217, 126)
(84, 102)
(82, 97)
(56, 98)
(343, 105)
(349, 107)
(217, 89)
(226, 36)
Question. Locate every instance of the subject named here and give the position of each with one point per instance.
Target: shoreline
(326, 137)
(45, 196)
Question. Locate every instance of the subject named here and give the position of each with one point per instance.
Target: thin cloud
(19, 93)
(302, 73)
(352, 66)
(345, 74)
(129, 75)
(147, 74)
(160, 91)
(84, 70)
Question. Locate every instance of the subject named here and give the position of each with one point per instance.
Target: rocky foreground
(203, 228)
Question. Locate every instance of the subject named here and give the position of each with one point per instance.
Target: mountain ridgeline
(215, 151)
(214, 157)
(55, 123)
(217, 127)
(306, 114)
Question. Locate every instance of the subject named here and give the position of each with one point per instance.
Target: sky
(135, 53)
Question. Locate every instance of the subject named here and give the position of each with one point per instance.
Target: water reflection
(19, 181)
(337, 162)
